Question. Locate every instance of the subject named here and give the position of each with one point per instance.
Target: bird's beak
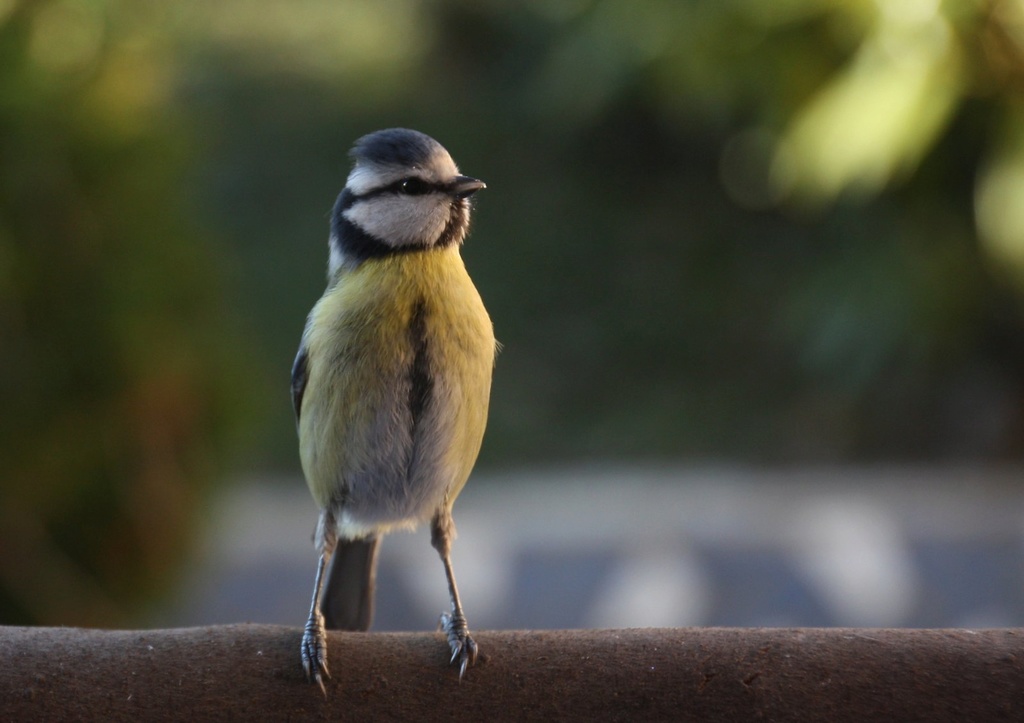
(465, 186)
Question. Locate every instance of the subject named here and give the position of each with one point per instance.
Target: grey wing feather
(300, 374)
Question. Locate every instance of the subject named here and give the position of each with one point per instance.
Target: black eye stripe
(415, 187)
(398, 187)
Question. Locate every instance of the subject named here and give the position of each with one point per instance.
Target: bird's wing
(300, 375)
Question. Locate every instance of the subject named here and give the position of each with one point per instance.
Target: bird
(391, 382)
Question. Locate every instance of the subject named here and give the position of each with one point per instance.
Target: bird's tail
(347, 602)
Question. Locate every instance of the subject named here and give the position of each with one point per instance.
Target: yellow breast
(370, 340)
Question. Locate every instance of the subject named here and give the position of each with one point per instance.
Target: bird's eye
(414, 187)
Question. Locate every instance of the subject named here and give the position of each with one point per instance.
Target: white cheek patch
(400, 220)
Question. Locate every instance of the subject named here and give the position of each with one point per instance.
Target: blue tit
(392, 379)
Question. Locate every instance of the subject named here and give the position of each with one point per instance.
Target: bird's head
(404, 193)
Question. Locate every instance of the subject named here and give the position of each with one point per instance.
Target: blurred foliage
(113, 356)
(765, 230)
(773, 231)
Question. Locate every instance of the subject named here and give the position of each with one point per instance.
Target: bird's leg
(453, 624)
(314, 636)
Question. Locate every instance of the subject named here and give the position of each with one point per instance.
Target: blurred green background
(767, 231)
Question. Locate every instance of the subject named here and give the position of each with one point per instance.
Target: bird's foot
(463, 647)
(314, 651)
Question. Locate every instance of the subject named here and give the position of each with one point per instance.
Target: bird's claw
(463, 646)
(314, 653)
